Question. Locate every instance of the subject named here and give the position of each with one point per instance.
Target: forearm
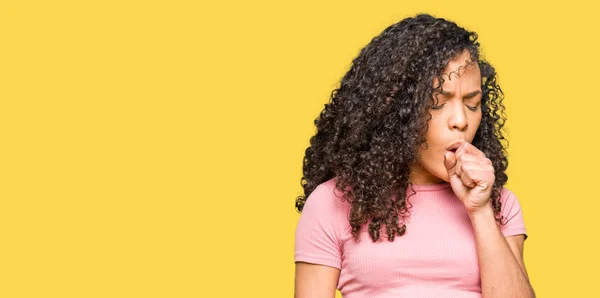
(501, 274)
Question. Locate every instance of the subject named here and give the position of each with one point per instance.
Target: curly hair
(369, 132)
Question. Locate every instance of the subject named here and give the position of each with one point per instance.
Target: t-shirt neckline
(429, 187)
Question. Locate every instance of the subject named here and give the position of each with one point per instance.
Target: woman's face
(454, 118)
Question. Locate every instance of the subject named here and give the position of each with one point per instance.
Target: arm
(318, 252)
(315, 281)
(503, 272)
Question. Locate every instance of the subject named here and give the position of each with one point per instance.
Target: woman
(404, 180)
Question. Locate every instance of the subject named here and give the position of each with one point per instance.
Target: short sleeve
(317, 238)
(514, 223)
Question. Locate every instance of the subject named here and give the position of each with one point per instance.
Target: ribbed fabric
(436, 257)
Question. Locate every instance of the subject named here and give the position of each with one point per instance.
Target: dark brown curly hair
(369, 133)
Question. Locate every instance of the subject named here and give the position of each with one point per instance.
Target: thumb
(450, 163)
(457, 185)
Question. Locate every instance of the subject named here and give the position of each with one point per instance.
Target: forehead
(461, 70)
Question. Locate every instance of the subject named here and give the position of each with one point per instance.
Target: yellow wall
(154, 148)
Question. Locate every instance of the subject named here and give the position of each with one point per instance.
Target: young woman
(404, 180)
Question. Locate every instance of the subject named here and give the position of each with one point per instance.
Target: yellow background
(154, 148)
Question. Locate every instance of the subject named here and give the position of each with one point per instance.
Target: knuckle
(464, 167)
(459, 156)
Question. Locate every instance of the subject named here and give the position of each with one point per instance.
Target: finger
(466, 179)
(467, 147)
(472, 166)
(463, 157)
(466, 156)
(483, 179)
(450, 163)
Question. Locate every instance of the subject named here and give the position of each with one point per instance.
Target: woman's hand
(471, 175)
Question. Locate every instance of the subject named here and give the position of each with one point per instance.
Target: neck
(420, 176)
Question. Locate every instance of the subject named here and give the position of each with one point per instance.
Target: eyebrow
(468, 95)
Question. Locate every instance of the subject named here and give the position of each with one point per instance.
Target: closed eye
(473, 108)
(439, 107)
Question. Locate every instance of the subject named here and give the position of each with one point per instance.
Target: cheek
(431, 155)
(474, 125)
(434, 132)
(477, 118)
(434, 164)
(432, 159)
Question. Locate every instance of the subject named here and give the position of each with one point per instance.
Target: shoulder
(320, 226)
(510, 209)
(508, 199)
(505, 193)
(327, 198)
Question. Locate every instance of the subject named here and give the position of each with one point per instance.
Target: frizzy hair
(369, 132)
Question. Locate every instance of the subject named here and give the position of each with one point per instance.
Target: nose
(458, 118)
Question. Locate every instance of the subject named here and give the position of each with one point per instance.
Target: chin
(444, 176)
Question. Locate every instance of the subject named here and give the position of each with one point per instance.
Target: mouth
(452, 148)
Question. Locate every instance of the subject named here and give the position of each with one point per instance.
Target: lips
(454, 146)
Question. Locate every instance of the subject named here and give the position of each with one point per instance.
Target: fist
(471, 175)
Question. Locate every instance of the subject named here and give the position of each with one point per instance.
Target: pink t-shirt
(436, 257)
